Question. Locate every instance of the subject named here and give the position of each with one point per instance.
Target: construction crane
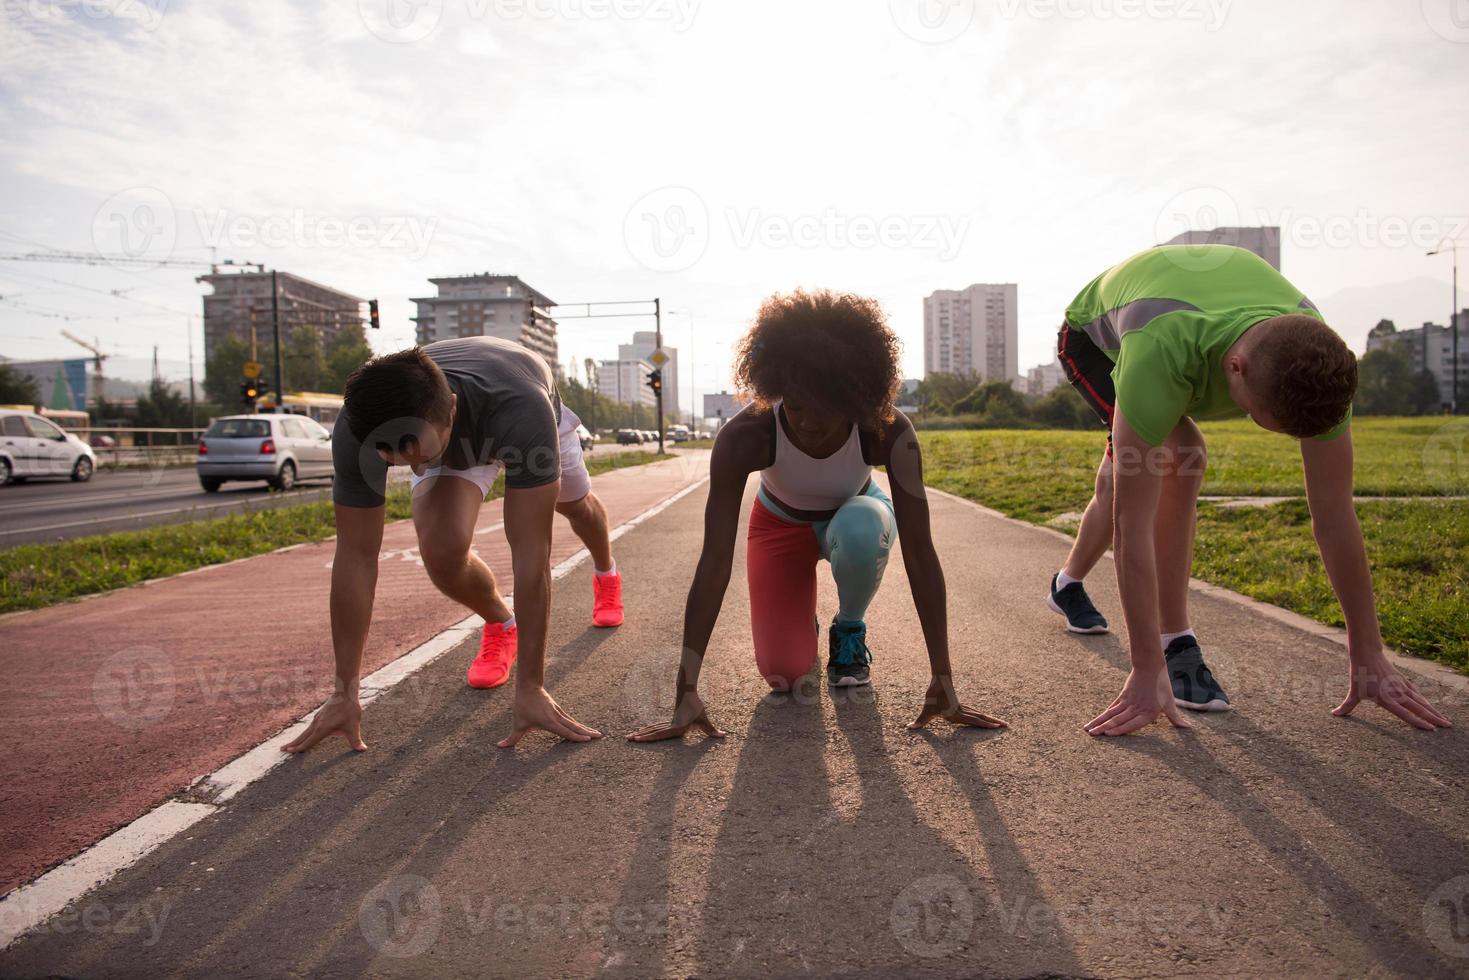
(97, 358)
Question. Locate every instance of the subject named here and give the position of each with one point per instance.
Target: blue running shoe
(847, 655)
(1194, 686)
(1073, 603)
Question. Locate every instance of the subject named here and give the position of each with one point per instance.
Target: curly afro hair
(1310, 372)
(834, 348)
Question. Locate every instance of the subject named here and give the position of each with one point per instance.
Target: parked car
(587, 439)
(31, 446)
(629, 437)
(279, 449)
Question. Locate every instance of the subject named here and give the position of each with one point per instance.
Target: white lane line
(32, 904)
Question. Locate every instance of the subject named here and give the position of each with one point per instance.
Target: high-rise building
(973, 332)
(1429, 348)
(241, 306)
(1044, 378)
(626, 381)
(1263, 240)
(616, 377)
(487, 305)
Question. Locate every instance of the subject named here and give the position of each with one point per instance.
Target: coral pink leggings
(780, 561)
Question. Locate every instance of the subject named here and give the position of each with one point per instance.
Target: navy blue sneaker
(1193, 685)
(847, 655)
(1073, 603)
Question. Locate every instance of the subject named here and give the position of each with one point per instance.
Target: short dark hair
(1310, 375)
(835, 348)
(395, 388)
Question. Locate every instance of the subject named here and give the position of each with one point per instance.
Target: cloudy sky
(710, 152)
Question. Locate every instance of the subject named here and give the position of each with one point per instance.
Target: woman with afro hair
(820, 370)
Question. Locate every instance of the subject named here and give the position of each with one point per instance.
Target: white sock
(610, 571)
(1170, 637)
(1063, 580)
(509, 622)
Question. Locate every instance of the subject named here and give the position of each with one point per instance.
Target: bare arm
(1328, 469)
(904, 462)
(354, 582)
(528, 517)
(736, 451)
(1138, 485)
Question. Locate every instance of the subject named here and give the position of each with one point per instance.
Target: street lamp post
(1453, 323)
(693, 366)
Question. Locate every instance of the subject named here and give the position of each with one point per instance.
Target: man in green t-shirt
(1184, 332)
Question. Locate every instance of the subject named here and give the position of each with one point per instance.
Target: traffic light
(372, 314)
(655, 381)
(249, 391)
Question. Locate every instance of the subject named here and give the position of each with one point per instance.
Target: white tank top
(806, 483)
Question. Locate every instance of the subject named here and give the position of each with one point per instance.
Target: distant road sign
(658, 358)
(251, 369)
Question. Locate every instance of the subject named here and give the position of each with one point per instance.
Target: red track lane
(114, 703)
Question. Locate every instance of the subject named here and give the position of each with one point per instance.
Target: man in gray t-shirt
(458, 413)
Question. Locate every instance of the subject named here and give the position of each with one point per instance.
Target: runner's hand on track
(1378, 680)
(535, 709)
(690, 713)
(341, 715)
(1140, 703)
(942, 702)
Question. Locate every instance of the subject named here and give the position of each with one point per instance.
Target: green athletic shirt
(1167, 315)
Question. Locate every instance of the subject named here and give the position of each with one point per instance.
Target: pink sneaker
(496, 656)
(607, 599)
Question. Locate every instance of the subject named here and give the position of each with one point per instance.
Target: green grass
(36, 575)
(1415, 547)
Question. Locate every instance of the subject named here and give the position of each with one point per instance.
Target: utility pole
(275, 322)
(193, 415)
(658, 345)
(1454, 326)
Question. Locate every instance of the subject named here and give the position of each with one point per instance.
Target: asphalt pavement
(822, 837)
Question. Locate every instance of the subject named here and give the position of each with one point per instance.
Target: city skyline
(742, 198)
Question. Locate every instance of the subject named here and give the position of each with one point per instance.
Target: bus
(323, 408)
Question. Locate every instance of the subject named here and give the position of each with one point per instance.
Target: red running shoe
(496, 656)
(607, 599)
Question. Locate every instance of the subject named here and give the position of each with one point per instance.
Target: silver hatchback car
(279, 449)
(31, 446)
